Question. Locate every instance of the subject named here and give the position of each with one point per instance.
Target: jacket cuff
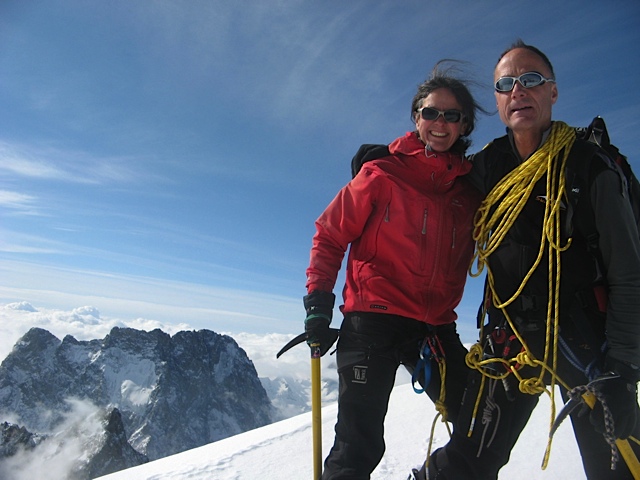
(629, 371)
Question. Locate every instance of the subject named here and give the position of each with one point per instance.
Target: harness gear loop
(423, 365)
(432, 349)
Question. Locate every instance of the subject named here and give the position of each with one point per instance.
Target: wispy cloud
(19, 242)
(71, 166)
(20, 161)
(17, 201)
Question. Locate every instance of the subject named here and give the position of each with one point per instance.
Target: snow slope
(283, 450)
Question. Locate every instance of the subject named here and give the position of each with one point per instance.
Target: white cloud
(19, 160)
(70, 166)
(89, 304)
(16, 200)
(58, 455)
(16, 242)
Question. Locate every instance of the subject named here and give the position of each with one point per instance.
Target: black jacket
(618, 245)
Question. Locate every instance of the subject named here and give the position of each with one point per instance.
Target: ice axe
(316, 405)
(588, 398)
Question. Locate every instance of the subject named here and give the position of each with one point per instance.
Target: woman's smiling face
(439, 134)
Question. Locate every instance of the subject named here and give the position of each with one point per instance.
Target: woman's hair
(443, 75)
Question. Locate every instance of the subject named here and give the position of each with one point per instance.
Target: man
(541, 270)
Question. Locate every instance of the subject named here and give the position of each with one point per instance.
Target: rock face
(164, 394)
(14, 438)
(114, 452)
(73, 453)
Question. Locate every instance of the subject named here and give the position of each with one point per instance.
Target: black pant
(481, 456)
(370, 350)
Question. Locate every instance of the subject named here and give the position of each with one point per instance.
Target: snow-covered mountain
(172, 393)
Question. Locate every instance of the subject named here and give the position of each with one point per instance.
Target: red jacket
(409, 219)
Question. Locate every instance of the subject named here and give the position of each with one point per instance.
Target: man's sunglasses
(450, 116)
(527, 80)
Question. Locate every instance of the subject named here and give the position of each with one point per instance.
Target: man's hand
(621, 397)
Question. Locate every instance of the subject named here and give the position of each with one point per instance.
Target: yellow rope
(493, 220)
(440, 408)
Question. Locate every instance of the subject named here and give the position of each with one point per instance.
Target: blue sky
(167, 159)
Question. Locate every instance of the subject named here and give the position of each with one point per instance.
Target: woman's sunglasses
(527, 80)
(450, 116)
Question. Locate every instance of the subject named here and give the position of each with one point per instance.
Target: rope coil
(495, 217)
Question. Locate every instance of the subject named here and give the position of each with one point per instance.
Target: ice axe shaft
(316, 411)
(316, 404)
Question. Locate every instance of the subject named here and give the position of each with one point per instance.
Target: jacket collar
(412, 146)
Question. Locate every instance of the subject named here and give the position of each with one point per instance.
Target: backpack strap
(588, 306)
(366, 153)
(578, 180)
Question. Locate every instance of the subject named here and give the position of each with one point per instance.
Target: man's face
(525, 109)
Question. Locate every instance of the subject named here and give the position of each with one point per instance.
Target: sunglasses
(450, 116)
(527, 80)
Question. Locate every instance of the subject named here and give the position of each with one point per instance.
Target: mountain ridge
(173, 393)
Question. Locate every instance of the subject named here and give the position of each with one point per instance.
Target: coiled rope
(494, 218)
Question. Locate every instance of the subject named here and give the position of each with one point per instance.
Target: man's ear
(554, 93)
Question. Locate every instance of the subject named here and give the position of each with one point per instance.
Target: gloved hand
(621, 396)
(319, 307)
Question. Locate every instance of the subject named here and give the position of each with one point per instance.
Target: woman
(407, 218)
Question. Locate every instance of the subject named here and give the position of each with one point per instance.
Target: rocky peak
(171, 393)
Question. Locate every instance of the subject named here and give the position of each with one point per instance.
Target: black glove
(319, 307)
(621, 397)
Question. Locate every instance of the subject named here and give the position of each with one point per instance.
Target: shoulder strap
(578, 178)
(587, 314)
(366, 153)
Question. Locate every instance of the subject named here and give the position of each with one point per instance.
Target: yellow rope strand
(441, 409)
(493, 220)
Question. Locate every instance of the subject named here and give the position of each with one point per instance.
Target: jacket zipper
(423, 250)
(455, 203)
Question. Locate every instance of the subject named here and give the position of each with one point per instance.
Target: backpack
(366, 153)
(597, 136)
